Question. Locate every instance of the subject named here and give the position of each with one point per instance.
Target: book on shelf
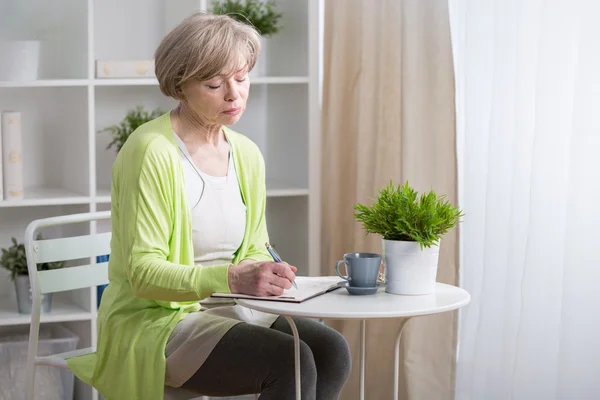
(12, 155)
(308, 287)
(125, 69)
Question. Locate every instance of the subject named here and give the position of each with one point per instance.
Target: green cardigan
(153, 281)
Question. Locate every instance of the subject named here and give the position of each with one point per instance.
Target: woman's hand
(261, 278)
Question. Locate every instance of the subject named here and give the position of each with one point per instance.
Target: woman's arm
(147, 210)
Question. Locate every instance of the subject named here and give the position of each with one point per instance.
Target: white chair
(59, 280)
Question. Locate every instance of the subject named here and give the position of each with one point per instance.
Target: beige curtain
(388, 114)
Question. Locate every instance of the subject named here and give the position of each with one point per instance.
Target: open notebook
(308, 287)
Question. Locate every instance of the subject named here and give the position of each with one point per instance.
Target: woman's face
(220, 100)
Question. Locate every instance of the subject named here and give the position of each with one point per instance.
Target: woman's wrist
(239, 275)
(232, 278)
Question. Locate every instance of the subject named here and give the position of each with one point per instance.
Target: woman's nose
(233, 92)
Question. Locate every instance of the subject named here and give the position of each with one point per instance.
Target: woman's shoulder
(152, 139)
(244, 145)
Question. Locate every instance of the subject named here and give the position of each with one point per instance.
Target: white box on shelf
(20, 60)
(125, 69)
(12, 155)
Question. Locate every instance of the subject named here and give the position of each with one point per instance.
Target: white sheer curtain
(528, 115)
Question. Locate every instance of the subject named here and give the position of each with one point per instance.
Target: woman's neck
(192, 130)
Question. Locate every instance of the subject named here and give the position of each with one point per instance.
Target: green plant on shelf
(262, 15)
(133, 119)
(14, 260)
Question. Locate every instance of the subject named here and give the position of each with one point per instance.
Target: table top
(341, 305)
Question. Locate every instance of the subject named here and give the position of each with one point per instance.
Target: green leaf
(400, 213)
(133, 120)
(261, 15)
(14, 259)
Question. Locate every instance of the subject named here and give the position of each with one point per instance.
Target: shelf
(61, 29)
(45, 83)
(278, 79)
(278, 189)
(154, 82)
(103, 195)
(274, 189)
(261, 80)
(39, 196)
(62, 311)
(287, 192)
(55, 149)
(126, 82)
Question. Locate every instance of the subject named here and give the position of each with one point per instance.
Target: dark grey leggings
(252, 359)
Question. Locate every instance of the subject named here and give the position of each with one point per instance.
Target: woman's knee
(337, 352)
(286, 365)
(284, 373)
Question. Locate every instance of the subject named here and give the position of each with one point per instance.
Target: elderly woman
(188, 220)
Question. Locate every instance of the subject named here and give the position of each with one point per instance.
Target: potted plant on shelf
(262, 15)
(411, 227)
(133, 119)
(14, 260)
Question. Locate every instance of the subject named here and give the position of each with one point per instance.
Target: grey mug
(362, 269)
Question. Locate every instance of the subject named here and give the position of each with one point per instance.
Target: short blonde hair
(201, 47)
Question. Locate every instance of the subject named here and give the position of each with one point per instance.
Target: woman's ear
(179, 91)
(180, 94)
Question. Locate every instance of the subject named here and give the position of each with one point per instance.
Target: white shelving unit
(67, 168)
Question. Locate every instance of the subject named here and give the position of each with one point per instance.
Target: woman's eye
(241, 79)
(213, 87)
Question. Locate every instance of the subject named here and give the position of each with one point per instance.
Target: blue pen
(276, 258)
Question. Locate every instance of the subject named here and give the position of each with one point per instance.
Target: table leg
(363, 331)
(296, 354)
(397, 357)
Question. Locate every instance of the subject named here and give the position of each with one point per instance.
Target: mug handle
(337, 269)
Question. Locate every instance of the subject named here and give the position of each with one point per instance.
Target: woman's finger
(294, 269)
(280, 281)
(284, 270)
(275, 290)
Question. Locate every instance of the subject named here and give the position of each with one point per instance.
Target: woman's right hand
(261, 278)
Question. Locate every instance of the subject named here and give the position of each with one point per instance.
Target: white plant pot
(19, 60)
(260, 68)
(408, 269)
(24, 297)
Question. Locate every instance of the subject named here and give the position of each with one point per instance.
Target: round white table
(338, 304)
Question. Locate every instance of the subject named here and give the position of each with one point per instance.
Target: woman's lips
(233, 111)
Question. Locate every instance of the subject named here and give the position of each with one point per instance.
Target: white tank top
(218, 213)
(218, 222)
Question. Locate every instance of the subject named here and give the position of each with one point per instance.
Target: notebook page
(308, 286)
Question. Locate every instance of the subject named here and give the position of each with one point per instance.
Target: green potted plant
(14, 260)
(262, 15)
(133, 119)
(411, 227)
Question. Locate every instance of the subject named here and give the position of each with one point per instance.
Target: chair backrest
(65, 249)
(59, 280)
